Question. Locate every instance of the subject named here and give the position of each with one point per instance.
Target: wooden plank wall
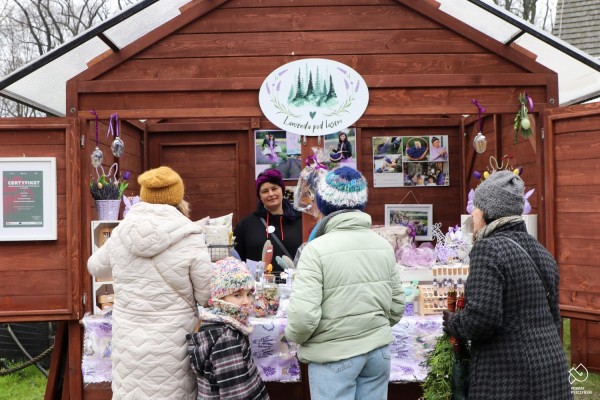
(576, 162)
(526, 153)
(575, 190)
(37, 276)
(412, 64)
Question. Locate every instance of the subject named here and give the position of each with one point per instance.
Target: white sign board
(313, 97)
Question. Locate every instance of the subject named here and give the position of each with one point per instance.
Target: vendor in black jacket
(274, 217)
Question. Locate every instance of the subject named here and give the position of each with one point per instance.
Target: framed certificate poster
(28, 198)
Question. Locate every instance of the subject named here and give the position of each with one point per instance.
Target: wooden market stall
(187, 96)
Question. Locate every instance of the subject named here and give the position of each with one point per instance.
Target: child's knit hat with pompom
(229, 275)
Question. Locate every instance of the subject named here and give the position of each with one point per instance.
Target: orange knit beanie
(161, 185)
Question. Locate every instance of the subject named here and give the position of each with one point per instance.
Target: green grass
(592, 383)
(26, 384)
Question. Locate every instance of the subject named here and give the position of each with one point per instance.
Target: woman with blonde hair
(161, 270)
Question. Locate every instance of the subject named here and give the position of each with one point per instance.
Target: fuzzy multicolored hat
(229, 275)
(500, 195)
(271, 176)
(343, 188)
(161, 185)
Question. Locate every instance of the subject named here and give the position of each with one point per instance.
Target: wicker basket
(108, 210)
(411, 143)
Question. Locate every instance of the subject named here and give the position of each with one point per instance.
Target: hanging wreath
(522, 123)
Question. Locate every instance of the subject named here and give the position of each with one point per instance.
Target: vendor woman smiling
(274, 219)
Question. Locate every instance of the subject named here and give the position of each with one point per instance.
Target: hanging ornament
(97, 156)
(117, 147)
(522, 122)
(479, 142)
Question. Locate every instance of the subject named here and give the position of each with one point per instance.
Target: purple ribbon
(116, 124)
(312, 159)
(480, 110)
(114, 118)
(529, 102)
(93, 112)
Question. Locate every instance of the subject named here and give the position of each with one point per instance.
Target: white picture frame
(28, 211)
(420, 216)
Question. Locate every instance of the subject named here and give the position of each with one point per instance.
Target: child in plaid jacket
(220, 350)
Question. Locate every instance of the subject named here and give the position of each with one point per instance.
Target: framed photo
(341, 147)
(28, 198)
(278, 149)
(420, 216)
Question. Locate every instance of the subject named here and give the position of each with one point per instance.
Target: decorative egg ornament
(97, 157)
(525, 123)
(117, 147)
(480, 143)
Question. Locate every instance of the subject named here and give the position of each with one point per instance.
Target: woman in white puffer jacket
(160, 266)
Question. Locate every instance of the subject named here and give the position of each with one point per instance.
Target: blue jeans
(363, 377)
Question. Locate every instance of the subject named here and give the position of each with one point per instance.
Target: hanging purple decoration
(117, 147)
(97, 156)
(479, 142)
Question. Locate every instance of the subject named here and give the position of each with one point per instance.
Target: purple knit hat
(270, 176)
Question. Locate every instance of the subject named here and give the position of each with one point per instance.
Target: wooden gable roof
(392, 43)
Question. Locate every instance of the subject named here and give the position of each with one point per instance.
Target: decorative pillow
(217, 235)
(224, 220)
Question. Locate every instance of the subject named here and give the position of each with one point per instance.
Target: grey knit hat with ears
(500, 195)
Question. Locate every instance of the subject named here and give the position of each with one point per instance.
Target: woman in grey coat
(513, 325)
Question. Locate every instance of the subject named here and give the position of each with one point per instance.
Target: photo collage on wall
(410, 161)
(278, 149)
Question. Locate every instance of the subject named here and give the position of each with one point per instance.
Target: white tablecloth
(276, 358)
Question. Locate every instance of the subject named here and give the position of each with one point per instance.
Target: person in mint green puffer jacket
(346, 297)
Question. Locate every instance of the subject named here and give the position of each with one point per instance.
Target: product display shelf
(433, 297)
(102, 290)
(431, 300)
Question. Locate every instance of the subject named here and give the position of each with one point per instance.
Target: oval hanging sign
(313, 97)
